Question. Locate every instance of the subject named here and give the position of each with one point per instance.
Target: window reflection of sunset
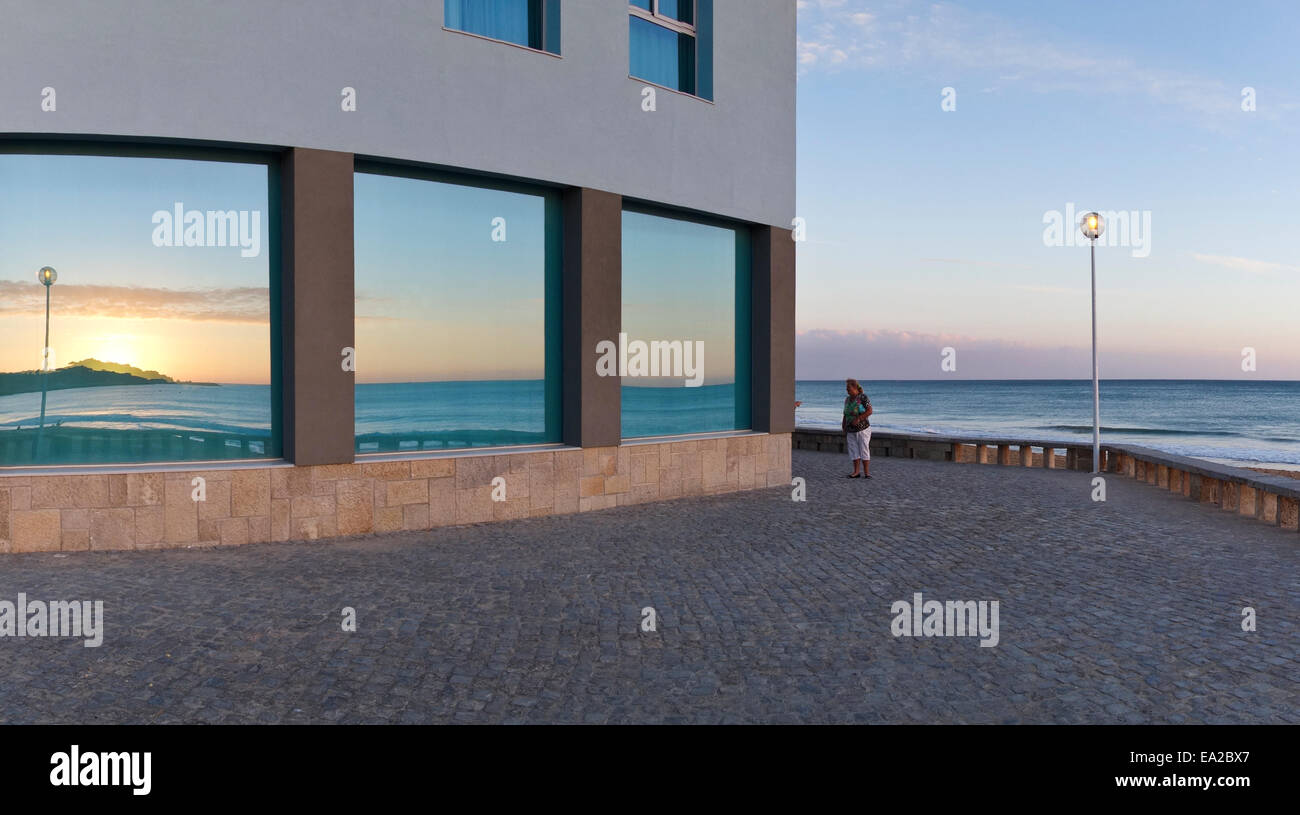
(119, 348)
(438, 299)
(196, 350)
(197, 314)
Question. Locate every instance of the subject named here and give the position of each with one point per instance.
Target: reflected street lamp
(46, 276)
(1092, 225)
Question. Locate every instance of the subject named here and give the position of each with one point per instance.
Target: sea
(392, 417)
(1245, 423)
(231, 409)
(1240, 422)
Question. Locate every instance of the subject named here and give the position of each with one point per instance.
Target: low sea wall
(1269, 499)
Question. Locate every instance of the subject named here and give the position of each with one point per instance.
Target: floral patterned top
(854, 406)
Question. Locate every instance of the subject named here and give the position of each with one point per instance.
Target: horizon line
(1061, 379)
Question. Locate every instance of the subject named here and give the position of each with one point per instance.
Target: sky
(679, 283)
(438, 299)
(925, 227)
(195, 313)
(450, 279)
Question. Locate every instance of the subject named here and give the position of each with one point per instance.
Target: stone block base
(152, 510)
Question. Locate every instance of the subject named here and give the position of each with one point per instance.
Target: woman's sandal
(855, 475)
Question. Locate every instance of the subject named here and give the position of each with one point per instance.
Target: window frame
(742, 304)
(553, 305)
(549, 25)
(701, 33)
(215, 152)
(655, 17)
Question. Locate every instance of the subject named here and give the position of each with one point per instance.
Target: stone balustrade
(1267, 498)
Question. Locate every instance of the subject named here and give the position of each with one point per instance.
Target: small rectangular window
(530, 23)
(680, 10)
(669, 44)
(662, 56)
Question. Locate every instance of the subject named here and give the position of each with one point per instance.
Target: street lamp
(1092, 225)
(46, 276)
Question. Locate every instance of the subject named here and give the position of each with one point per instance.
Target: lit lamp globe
(1092, 225)
(47, 276)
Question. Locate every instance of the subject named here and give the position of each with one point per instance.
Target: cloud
(969, 262)
(945, 41)
(233, 305)
(886, 354)
(1257, 267)
(1063, 291)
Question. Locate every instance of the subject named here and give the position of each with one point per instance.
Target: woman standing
(857, 428)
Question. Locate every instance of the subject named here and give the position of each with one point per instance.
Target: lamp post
(1092, 225)
(46, 276)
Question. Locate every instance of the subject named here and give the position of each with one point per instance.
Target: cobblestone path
(768, 610)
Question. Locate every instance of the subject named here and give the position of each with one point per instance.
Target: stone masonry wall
(154, 510)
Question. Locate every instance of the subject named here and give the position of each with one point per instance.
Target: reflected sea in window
(107, 425)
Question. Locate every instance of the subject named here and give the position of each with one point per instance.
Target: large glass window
(157, 310)
(684, 352)
(457, 313)
(669, 44)
(530, 23)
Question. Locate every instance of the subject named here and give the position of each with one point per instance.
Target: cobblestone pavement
(768, 611)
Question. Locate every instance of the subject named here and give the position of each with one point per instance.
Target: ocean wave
(1140, 431)
(180, 423)
(1241, 456)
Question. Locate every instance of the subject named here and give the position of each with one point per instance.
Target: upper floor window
(669, 43)
(530, 23)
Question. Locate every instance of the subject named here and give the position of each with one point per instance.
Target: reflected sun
(119, 348)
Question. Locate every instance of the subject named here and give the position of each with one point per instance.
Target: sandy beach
(1284, 473)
